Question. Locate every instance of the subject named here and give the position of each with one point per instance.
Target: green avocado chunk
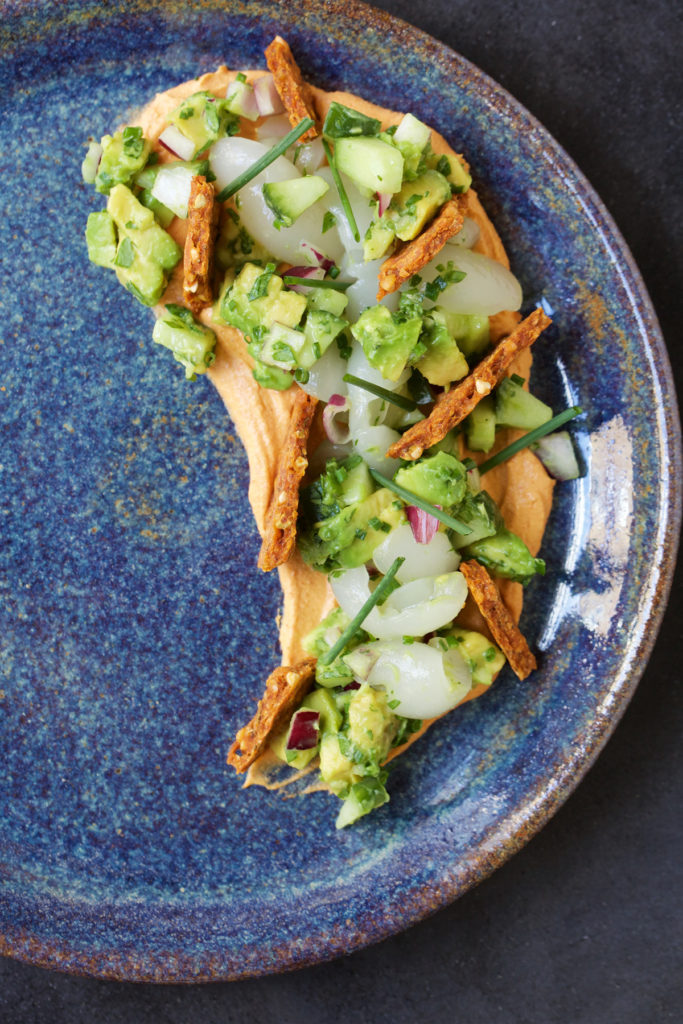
(123, 155)
(257, 298)
(482, 515)
(480, 425)
(145, 252)
(440, 479)
(483, 657)
(191, 343)
(416, 203)
(204, 119)
(100, 237)
(443, 362)
(506, 554)
(388, 342)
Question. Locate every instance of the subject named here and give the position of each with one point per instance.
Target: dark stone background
(586, 923)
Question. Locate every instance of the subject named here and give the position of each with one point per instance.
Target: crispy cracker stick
(292, 89)
(415, 255)
(498, 619)
(454, 406)
(280, 527)
(198, 257)
(285, 689)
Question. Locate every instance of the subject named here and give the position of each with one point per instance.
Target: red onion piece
(336, 429)
(556, 452)
(383, 200)
(423, 525)
(267, 97)
(321, 260)
(352, 686)
(175, 142)
(303, 731)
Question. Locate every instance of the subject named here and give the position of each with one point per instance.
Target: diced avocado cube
(141, 277)
(336, 770)
(440, 479)
(417, 202)
(271, 376)
(470, 331)
(328, 300)
(506, 554)
(129, 214)
(481, 514)
(123, 155)
(358, 484)
(375, 518)
(482, 655)
(256, 298)
(387, 342)
(372, 723)
(320, 330)
(443, 362)
(378, 239)
(281, 347)
(161, 212)
(203, 119)
(371, 163)
(453, 170)
(191, 343)
(289, 199)
(100, 237)
(480, 426)
(516, 407)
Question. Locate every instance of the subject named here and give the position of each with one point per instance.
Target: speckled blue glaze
(135, 631)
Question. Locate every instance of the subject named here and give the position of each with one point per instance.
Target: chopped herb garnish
(301, 376)
(413, 499)
(329, 220)
(240, 77)
(316, 350)
(126, 254)
(489, 654)
(380, 591)
(533, 435)
(260, 285)
(133, 142)
(343, 346)
(308, 282)
(334, 271)
(342, 191)
(444, 166)
(266, 160)
(181, 313)
(516, 379)
(283, 353)
(408, 639)
(374, 522)
(360, 534)
(393, 703)
(375, 389)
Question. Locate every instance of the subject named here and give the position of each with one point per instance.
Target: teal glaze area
(135, 630)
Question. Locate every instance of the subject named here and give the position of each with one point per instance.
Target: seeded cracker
(498, 619)
(456, 404)
(292, 89)
(280, 526)
(198, 258)
(285, 689)
(415, 255)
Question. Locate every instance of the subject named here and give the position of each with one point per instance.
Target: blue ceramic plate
(135, 631)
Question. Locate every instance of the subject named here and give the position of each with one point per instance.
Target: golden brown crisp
(498, 618)
(456, 404)
(293, 91)
(199, 245)
(280, 525)
(285, 689)
(415, 255)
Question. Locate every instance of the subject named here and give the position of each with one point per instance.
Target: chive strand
(426, 506)
(375, 389)
(342, 191)
(356, 622)
(307, 282)
(533, 435)
(273, 153)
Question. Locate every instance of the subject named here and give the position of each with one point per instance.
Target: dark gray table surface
(586, 923)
